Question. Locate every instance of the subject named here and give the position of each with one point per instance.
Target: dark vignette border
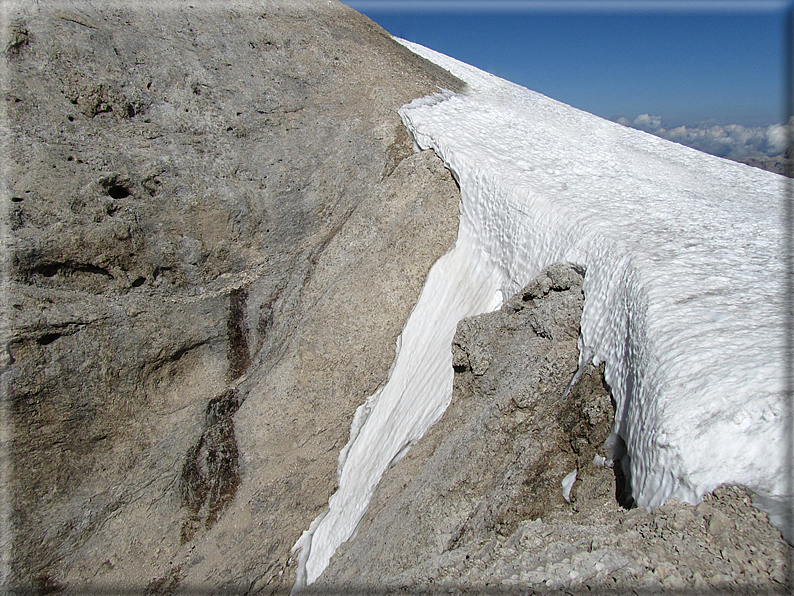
(788, 288)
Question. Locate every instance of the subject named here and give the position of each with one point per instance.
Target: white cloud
(733, 141)
(647, 123)
(777, 139)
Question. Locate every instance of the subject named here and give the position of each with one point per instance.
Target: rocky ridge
(477, 506)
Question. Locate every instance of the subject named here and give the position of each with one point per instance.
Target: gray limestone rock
(477, 506)
(214, 231)
(502, 448)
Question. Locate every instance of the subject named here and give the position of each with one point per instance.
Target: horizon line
(584, 6)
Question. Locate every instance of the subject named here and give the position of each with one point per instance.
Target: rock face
(215, 229)
(477, 505)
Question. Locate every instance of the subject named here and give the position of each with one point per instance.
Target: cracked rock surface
(214, 231)
(477, 505)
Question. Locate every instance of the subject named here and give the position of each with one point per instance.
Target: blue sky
(684, 61)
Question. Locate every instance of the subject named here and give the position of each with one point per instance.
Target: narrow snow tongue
(462, 283)
(302, 549)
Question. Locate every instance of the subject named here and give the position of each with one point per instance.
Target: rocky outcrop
(215, 231)
(779, 164)
(479, 505)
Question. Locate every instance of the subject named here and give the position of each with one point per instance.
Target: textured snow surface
(683, 292)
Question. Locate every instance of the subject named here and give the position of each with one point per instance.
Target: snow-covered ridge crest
(683, 290)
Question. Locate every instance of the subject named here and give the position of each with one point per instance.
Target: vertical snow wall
(683, 293)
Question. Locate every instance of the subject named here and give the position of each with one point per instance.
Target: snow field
(683, 293)
(683, 290)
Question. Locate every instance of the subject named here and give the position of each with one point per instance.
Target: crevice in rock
(48, 338)
(116, 186)
(618, 451)
(67, 268)
(118, 191)
(184, 350)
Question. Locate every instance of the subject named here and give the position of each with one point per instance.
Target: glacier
(683, 294)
